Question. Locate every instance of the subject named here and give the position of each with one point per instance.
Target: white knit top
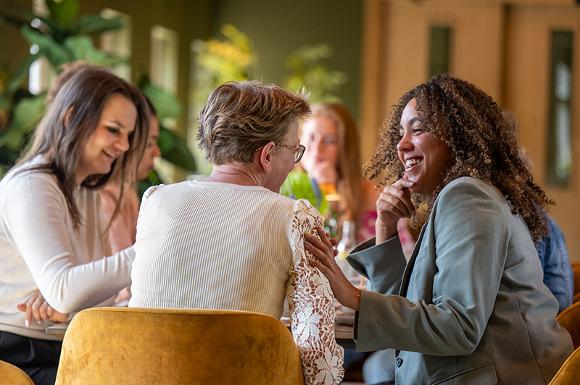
(41, 249)
(223, 246)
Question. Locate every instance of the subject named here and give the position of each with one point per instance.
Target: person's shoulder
(155, 190)
(26, 178)
(473, 195)
(467, 185)
(305, 212)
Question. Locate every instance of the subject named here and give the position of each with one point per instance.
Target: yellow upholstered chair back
(569, 372)
(176, 346)
(10, 374)
(569, 318)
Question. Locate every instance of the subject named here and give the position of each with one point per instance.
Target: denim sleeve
(558, 276)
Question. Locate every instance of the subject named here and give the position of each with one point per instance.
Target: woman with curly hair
(473, 285)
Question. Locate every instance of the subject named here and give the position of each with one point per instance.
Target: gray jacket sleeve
(382, 265)
(460, 269)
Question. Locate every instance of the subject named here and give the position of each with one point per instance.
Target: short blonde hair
(241, 117)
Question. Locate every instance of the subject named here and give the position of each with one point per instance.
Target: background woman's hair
(348, 165)
(482, 144)
(68, 70)
(72, 118)
(241, 117)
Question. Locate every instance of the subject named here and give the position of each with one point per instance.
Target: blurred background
(365, 53)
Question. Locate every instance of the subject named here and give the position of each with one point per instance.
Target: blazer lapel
(411, 264)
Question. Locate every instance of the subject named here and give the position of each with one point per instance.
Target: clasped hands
(37, 309)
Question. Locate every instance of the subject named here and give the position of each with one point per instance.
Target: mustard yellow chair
(10, 374)
(569, 318)
(569, 372)
(176, 346)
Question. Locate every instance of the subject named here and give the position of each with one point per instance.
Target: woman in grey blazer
(470, 306)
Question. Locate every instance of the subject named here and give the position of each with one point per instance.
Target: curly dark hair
(482, 143)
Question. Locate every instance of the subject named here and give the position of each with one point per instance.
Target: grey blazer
(471, 306)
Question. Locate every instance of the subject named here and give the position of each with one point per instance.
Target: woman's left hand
(36, 308)
(323, 252)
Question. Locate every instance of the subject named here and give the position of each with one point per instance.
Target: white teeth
(411, 162)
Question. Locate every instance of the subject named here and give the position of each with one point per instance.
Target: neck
(235, 173)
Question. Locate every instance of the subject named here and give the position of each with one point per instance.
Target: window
(560, 117)
(164, 58)
(164, 50)
(40, 74)
(118, 42)
(195, 105)
(439, 49)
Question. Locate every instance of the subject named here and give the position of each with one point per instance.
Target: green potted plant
(64, 36)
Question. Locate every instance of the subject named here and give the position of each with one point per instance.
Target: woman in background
(332, 162)
(122, 228)
(54, 255)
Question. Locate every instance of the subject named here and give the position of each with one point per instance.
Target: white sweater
(41, 249)
(223, 246)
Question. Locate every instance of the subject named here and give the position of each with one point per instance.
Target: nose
(156, 151)
(123, 143)
(405, 143)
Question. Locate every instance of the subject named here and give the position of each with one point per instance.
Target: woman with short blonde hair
(231, 241)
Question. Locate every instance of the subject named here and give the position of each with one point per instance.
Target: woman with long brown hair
(54, 253)
(473, 285)
(332, 158)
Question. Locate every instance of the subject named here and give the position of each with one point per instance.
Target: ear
(264, 156)
(67, 116)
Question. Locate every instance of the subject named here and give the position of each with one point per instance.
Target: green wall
(278, 27)
(190, 19)
(13, 47)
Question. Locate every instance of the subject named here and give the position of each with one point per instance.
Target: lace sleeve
(311, 304)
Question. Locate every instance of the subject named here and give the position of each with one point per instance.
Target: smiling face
(110, 139)
(320, 136)
(425, 157)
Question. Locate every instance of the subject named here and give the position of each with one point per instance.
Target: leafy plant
(218, 61)
(173, 148)
(60, 37)
(308, 71)
(298, 185)
(64, 36)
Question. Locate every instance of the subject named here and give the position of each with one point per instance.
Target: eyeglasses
(297, 149)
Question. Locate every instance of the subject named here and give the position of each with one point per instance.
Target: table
(57, 329)
(342, 332)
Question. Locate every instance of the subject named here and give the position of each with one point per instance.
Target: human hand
(123, 295)
(323, 251)
(394, 203)
(37, 309)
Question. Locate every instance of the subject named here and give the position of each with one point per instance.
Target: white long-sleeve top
(41, 249)
(223, 246)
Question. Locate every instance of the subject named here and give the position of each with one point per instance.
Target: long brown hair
(348, 166)
(71, 119)
(482, 143)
